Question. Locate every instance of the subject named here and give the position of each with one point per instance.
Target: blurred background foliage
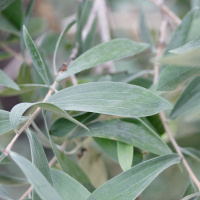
(47, 20)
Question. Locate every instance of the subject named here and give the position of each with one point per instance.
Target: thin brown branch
(167, 11)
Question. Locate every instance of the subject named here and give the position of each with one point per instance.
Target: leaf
(172, 77)
(18, 110)
(39, 159)
(144, 30)
(69, 167)
(130, 184)
(194, 153)
(188, 100)
(40, 184)
(12, 180)
(4, 194)
(61, 37)
(5, 125)
(188, 47)
(180, 35)
(125, 155)
(4, 4)
(110, 98)
(7, 81)
(189, 190)
(62, 127)
(135, 134)
(67, 187)
(35, 56)
(192, 196)
(112, 50)
(23, 88)
(4, 159)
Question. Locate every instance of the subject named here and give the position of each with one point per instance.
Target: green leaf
(144, 30)
(14, 13)
(134, 133)
(192, 196)
(188, 100)
(180, 35)
(39, 159)
(67, 187)
(40, 184)
(35, 56)
(194, 153)
(4, 159)
(190, 46)
(5, 125)
(172, 77)
(4, 194)
(125, 155)
(7, 81)
(69, 167)
(61, 37)
(4, 4)
(189, 190)
(62, 127)
(4, 56)
(18, 110)
(24, 88)
(112, 50)
(12, 180)
(132, 182)
(110, 98)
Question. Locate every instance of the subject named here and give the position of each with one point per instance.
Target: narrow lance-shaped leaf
(189, 190)
(110, 98)
(62, 35)
(135, 134)
(194, 153)
(130, 184)
(12, 180)
(7, 81)
(112, 50)
(192, 196)
(18, 110)
(4, 4)
(67, 187)
(35, 56)
(188, 100)
(39, 159)
(125, 155)
(4, 194)
(41, 185)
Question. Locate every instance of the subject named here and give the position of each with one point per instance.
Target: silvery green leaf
(194, 153)
(188, 100)
(12, 180)
(132, 182)
(125, 155)
(39, 159)
(40, 184)
(4, 194)
(189, 190)
(112, 50)
(110, 98)
(67, 187)
(35, 56)
(7, 81)
(62, 35)
(4, 159)
(192, 196)
(23, 88)
(134, 133)
(18, 110)
(5, 125)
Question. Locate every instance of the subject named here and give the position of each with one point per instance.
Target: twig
(167, 11)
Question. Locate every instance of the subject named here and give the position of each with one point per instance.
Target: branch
(167, 11)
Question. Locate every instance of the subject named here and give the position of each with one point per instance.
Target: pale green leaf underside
(18, 110)
(4, 194)
(125, 155)
(35, 56)
(110, 98)
(130, 184)
(135, 134)
(43, 188)
(62, 35)
(112, 50)
(24, 88)
(7, 81)
(188, 100)
(67, 187)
